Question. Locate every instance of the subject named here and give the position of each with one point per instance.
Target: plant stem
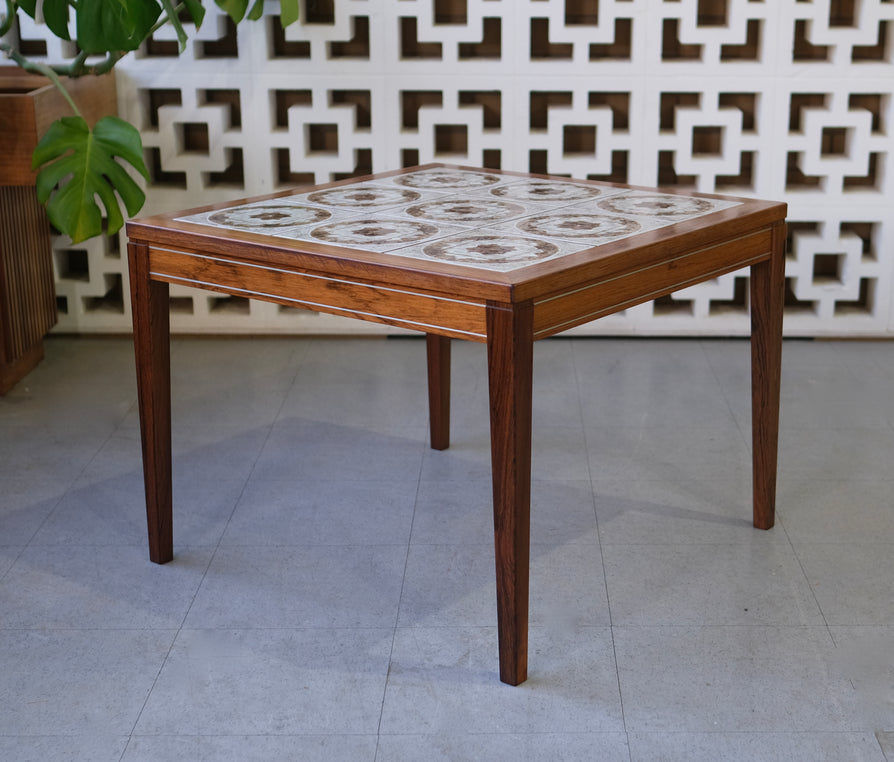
(9, 19)
(39, 68)
(48, 72)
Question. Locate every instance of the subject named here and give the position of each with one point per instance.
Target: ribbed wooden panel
(27, 292)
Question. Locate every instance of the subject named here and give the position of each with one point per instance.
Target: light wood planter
(28, 105)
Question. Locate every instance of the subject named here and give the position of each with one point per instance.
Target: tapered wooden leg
(438, 352)
(151, 333)
(510, 359)
(767, 296)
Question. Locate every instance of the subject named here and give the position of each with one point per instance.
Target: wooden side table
(496, 257)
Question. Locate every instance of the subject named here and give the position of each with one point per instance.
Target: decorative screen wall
(779, 99)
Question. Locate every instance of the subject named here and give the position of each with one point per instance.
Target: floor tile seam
(489, 543)
(91, 628)
(75, 478)
(856, 478)
(810, 585)
(383, 628)
(744, 435)
(131, 409)
(534, 543)
(134, 545)
(400, 601)
(546, 627)
(784, 428)
(506, 733)
(63, 735)
(86, 628)
(305, 735)
(238, 498)
(861, 542)
(703, 624)
(846, 428)
(276, 545)
(731, 626)
(639, 428)
(589, 460)
(732, 732)
(15, 561)
(798, 472)
(68, 489)
(739, 544)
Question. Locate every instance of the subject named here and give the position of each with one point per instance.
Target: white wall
(768, 98)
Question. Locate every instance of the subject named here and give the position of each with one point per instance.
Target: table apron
(584, 303)
(405, 308)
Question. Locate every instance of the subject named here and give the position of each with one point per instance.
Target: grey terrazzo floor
(332, 594)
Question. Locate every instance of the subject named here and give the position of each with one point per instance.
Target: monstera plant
(80, 168)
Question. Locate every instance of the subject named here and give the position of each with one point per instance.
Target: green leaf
(257, 10)
(55, 14)
(109, 25)
(174, 20)
(196, 11)
(29, 6)
(234, 8)
(288, 12)
(79, 164)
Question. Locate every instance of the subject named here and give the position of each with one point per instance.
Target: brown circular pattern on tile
(490, 249)
(446, 179)
(364, 198)
(546, 190)
(268, 216)
(466, 210)
(374, 231)
(657, 205)
(570, 225)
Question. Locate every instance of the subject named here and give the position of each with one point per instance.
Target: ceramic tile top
(447, 179)
(499, 251)
(466, 210)
(659, 205)
(472, 218)
(365, 197)
(372, 230)
(267, 216)
(548, 190)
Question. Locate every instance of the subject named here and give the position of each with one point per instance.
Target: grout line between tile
(611, 626)
(236, 502)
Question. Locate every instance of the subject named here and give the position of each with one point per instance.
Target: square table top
(457, 224)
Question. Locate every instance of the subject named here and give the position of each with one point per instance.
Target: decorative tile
(433, 229)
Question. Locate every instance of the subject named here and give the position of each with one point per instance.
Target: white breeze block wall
(779, 99)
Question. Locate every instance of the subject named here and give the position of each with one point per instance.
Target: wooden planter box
(28, 105)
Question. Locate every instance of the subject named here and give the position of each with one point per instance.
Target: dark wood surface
(151, 331)
(510, 357)
(438, 355)
(767, 289)
(27, 285)
(506, 310)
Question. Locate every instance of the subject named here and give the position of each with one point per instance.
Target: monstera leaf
(79, 164)
(106, 25)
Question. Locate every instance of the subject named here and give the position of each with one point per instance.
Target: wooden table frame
(507, 311)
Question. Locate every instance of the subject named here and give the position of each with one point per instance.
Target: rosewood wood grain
(150, 306)
(767, 298)
(438, 357)
(584, 303)
(510, 375)
(416, 310)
